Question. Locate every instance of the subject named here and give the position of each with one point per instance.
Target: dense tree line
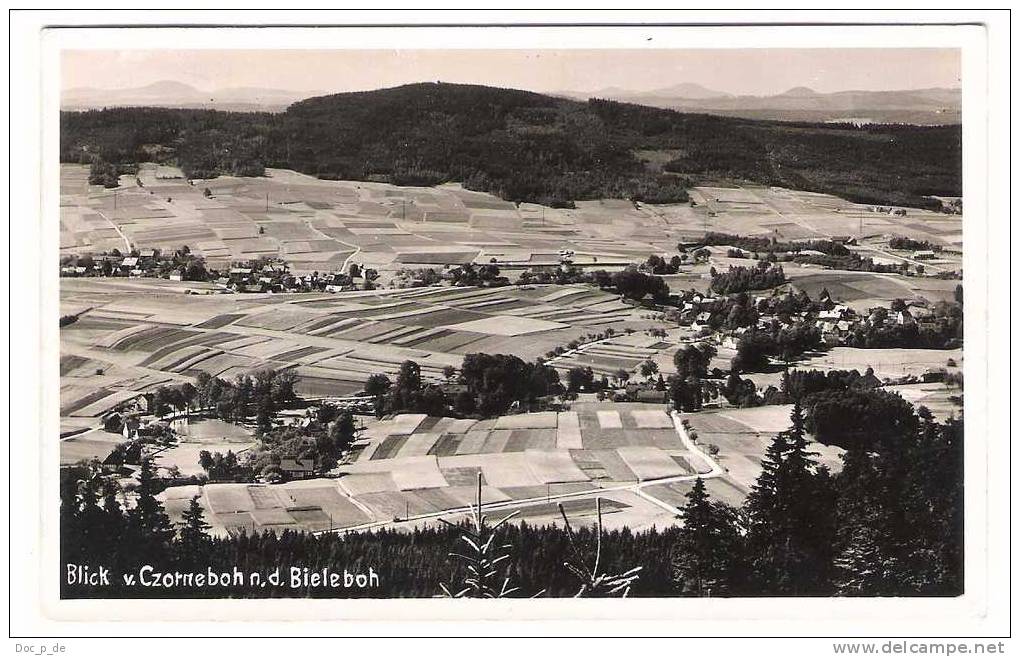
(637, 285)
(890, 523)
(850, 262)
(524, 146)
(493, 384)
(469, 275)
(858, 163)
(756, 244)
(798, 385)
(764, 276)
(907, 244)
(103, 173)
(260, 394)
(97, 531)
(858, 418)
(756, 346)
(659, 265)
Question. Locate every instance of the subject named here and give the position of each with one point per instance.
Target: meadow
(412, 469)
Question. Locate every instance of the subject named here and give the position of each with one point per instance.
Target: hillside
(937, 106)
(525, 146)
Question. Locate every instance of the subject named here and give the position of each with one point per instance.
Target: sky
(735, 71)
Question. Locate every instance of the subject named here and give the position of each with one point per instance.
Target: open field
(865, 290)
(130, 341)
(742, 435)
(936, 397)
(887, 363)
(317, 224)
(796, 215)
(414, 465)
(144, 332)
(136, 334)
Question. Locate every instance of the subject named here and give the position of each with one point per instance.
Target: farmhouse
(924, 255)
(867, 382)
(240, 275)
(297, 468)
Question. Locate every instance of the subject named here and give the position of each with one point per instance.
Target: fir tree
(193, 538)
(707, 555)
(865, 561)
(147, 520)
(790, 513)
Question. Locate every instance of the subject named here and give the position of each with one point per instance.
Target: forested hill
(525, 146)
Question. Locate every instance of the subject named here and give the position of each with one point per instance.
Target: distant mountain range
(167, 93)
(926, 106)
(923, 106)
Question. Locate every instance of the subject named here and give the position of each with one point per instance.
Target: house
(924, 255)
(130, 427)
(651, 396)
(127, 264)
(831, 340)
(452, 389)
(867, 382)
(934, 376)
(297, 468)
(177, 275)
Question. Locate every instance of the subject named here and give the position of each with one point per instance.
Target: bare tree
(487, 562)
(595, 584)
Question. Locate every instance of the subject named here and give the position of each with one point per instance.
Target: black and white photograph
(676, 318)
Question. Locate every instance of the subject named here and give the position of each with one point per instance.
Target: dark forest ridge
(526, 146)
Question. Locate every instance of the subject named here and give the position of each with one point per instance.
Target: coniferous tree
(790, 508)
(865, 563)
(147, 520)
(707, 557)
(193, 538)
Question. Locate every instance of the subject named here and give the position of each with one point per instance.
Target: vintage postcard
(421, 317)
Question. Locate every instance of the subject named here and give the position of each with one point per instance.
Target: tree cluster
(756, 346)
(260, 394)
(884, 526)
(635, 284)
(743, 279)
(493, 384)
(907, 244)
